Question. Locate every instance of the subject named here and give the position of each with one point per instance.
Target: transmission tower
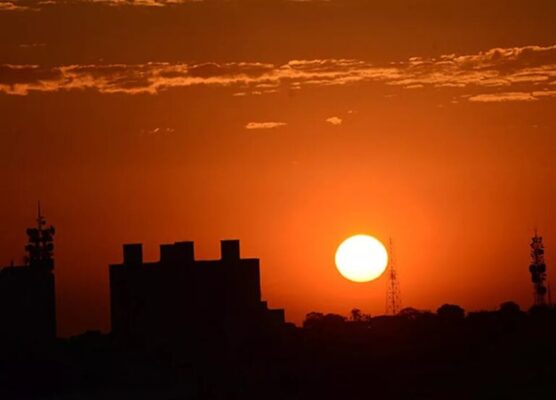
(40, 244)
(538, 270)
(393, 296)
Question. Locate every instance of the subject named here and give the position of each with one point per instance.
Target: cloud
(544, 93)
(31, 45)
(12, 6)
(512, 96)
(28, 76)
(493, 75)
(149, 78)
(158, 131)
(334, 120)
(503, 97)
(264, 125)
(39, 4)
(134, 3)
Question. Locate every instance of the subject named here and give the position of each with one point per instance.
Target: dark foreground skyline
(189, 329)
(144, 296)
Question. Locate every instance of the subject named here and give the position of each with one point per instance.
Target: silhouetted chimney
(133, 254)
(229, 249)
(184, 252)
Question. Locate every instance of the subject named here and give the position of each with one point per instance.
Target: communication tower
(40, 244)
(393, 296)
(538, 270)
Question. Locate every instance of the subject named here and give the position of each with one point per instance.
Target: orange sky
(289, 125)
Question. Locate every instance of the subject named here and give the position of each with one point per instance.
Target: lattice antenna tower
(393, 295)
(40, 244)
(538, 270)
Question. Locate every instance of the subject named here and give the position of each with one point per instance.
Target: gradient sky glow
(290, 125)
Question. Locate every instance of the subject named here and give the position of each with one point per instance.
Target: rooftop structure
(179, 300)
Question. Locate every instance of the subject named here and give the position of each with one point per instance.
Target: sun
(361, 258)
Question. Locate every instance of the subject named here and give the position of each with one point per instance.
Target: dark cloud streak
(507, 74)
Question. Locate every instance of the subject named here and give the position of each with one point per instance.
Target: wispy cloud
(494, 75)
(502, 97)
(335, 120)
(264, 125)
(12, 6)
(31, 45)
(140, 3)
(35, 5)
(158, 131)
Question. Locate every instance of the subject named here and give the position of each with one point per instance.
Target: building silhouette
(27, 292)
(181, 302)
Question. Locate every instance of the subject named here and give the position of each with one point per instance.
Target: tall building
(27, 292)
(182, 302)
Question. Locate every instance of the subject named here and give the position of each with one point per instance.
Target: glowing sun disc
(361, 258)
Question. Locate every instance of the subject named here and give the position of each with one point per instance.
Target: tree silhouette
(316, 320)
(356, 315)
(410, 313)
(450, 312)
(312, 320)
(509, 308)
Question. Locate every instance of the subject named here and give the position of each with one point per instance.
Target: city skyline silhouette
(167, 250)
(189, 328)
(140, 289)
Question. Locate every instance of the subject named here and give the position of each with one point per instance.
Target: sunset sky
(290, 125)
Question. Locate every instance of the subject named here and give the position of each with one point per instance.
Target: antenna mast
(40, 244)
(41, 222)
(538, 270)
(393, 296)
